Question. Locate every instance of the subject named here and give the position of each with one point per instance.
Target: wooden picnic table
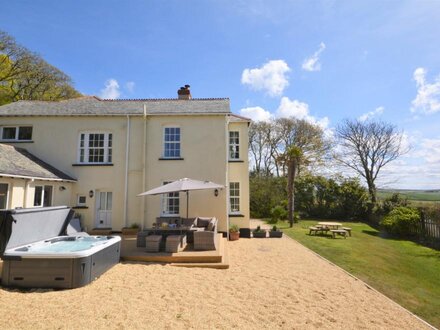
(330, 224)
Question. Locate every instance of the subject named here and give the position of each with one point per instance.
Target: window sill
(16, 141)
(166, 158)
(236, 215)
(93, 164)
(235, 161)
(80, 207)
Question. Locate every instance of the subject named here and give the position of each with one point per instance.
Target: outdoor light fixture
(62, 188)
(91, 193)
(216, 192)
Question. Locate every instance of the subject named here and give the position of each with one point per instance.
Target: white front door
(104, 209)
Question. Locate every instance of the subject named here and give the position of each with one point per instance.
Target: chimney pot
(184, 93)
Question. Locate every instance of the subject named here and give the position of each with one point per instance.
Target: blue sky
(319, 60)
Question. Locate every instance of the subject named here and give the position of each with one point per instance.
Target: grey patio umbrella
(184, 185)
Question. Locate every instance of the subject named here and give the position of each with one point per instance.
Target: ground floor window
(3, 195)
(43, 196)
(234, 197)
(170, 203)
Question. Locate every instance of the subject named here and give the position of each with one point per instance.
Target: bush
(391, 203)
(401, 221)
(265, 194)
(277, 213)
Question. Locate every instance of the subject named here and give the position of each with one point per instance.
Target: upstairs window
(95, 148)
(171, 142)
(234, 145)
(16, 133)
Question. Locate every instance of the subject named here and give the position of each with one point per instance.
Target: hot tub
(38, 255)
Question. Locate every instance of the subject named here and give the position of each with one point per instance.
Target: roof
(94, 106)
(237, 118)
(18, 162)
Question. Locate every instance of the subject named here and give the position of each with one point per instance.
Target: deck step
(129, 252)
(224, 264)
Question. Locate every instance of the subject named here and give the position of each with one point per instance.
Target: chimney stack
(184, 93)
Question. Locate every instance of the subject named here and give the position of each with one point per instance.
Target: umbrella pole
(187, 203)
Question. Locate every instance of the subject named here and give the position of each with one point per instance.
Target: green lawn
(402, 270)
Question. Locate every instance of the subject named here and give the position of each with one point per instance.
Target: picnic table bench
(341, 232)
(316, 229)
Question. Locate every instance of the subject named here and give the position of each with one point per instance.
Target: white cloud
(312, 63)
(129, 86)
(294, 108)
(256, 113)
(428, 95)
(111, 90)
(371, 114)
(417, 169)
(271, 77)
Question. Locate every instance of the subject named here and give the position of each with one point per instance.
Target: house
(97, 155)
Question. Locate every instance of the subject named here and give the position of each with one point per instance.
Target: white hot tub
(36, 254)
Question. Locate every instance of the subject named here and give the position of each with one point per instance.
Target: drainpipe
(227, 173)
(127, 154)
(144, 158)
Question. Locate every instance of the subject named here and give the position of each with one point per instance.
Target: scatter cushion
(203, 222)
(211, 225)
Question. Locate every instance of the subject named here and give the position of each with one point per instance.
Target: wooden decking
(187, 258)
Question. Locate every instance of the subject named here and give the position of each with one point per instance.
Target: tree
(366, 147)
(304, 144)
(24, 75)
(262, 142)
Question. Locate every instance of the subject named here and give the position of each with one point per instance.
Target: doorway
(104, 203)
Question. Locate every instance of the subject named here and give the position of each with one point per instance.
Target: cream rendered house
(105, 152)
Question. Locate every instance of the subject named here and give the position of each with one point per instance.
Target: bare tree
(366, 147)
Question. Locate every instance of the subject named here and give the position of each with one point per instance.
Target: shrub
(391, 203)
(277, 213)
(401, 221)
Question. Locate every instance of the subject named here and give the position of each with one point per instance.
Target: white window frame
(179, 143)
(234, 193)
(164, 212)
(78, 203)
(234, 147)
(108, 149)
(7, 195)
(42, 194)
(17, 132)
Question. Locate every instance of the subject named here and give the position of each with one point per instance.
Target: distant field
(411, 195)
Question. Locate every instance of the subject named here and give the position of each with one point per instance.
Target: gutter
(35, 178)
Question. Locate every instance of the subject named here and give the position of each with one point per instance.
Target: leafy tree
(24, 75)
(366, 147)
